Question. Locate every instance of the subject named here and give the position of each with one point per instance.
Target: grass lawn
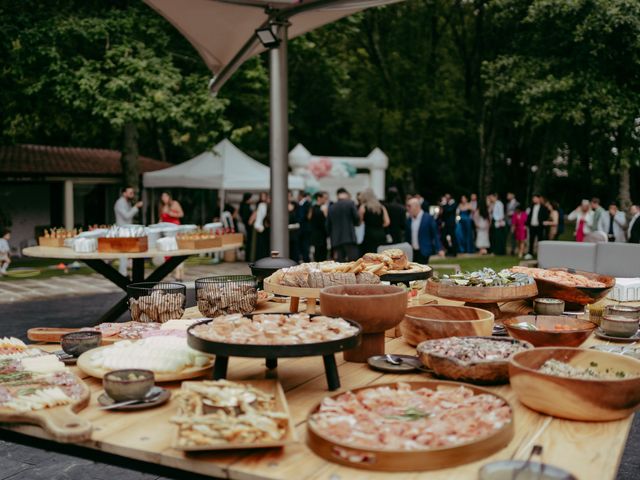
(469, 264)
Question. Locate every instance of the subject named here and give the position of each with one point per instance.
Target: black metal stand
(220, 367)
(331, 372)
(272, 363)
(137, 275)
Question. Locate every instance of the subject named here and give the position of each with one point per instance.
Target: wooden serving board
(192, 372)
(53, 335)
(411, 460)
(481, 294)
(60, 422)
(272, 387)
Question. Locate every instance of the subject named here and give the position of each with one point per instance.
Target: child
(519, 228)
(5, 252)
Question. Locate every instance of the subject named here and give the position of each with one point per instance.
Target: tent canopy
(225, 168)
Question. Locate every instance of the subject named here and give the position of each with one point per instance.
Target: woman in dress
(170, 211)
(554, 220)
(519, 229)
(375, 219)
(482, 223)
(465, 226)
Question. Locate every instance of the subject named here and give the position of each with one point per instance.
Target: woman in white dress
(482, 223)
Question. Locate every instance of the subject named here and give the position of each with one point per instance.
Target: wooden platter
(192, 372)
(53, 335)
(415, 272)
(272, 387)
(576, 295)
(60, 422)
(410, 460)
(296, 293)
(482, 297)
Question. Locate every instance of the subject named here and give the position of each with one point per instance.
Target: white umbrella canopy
(219, 29)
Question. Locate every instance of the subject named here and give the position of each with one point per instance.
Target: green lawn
(469, 264)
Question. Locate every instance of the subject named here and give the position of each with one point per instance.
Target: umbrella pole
(279, 142)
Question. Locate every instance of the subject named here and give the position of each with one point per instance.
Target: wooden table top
(68, 253)
(588, 450)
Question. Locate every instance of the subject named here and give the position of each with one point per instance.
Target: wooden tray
(411, 460)
(199, 243)
(270, 386)
(51, 242)
(123, 245)
(576, 295)
(191, 372)
(296, 293)
(230, 238)
(61, 422)
(53, 335)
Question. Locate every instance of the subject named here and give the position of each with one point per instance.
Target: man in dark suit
(634, 224)
(304, 205)
(536, 216)
(341, 222)
(397, 216)
(422, 233)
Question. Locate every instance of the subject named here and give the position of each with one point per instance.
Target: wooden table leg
(220, 367)
(311, 306)
(331, 372)
(272, 363)
(294, 304)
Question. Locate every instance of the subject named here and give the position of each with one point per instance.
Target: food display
(169, 357)
(550, 330)
(559, 276)
(486, 277)
(156, 302)
(198, 239)
(226, 295)
(222, 414)
(274, 329)
(124, 239)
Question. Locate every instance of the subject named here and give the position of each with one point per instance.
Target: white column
(68, 204)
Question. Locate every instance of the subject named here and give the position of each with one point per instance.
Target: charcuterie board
(111, 332)
(53, 335)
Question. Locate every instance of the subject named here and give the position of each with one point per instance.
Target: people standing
(318, 224)
(473, 200)
(498, 226)
(421, 232)
(519, 229)
(170, 211)
(511, 205)
(482, 222)
(124, 213)
(341, 222)
(448, 210)
(553, 222)
(598, 212)
(583, 216)
(537, 215)
(375, 218)
(5, 252)
(304, 205)
(397, 216)
(245, 211)
(294, 230)
(261, 227)
(613, 223)
(465, 225)
(634, 224)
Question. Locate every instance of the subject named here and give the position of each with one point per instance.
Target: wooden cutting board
(53, 335)
(61, 422)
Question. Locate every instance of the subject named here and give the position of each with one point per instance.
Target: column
(68, 205)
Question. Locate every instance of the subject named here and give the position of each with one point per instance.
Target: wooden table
(588, 450)
(97, 261)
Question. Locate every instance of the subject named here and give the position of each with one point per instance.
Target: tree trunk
(624, 194)
(129, 159)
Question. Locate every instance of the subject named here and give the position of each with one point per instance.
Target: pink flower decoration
(321, 167)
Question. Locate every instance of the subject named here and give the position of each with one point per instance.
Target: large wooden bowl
(576, 399)
(376, 308)
(484, 372)
(481, 294)
(441, 321)
(410, 460)
(547, 335)
(576, 295)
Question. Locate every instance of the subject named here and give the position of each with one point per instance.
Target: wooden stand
(372, 344)
(295, 293)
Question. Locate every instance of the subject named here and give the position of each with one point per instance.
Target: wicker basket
(226, 294)
(156, 301)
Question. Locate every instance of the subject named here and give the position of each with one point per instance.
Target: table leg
(137, 270)
(331, 372)
(272, 363)
(110, 273)
(165, 269)
(220, 367)
(294, 304)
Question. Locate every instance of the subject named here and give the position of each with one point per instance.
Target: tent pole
(279, 142)
(221, 193)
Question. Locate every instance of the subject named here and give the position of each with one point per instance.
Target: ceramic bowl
(128, 384)
(619, 326)
(440, 321)
(594, 400)
(522, 470)
(623, 311)
(375, 307)
(548, 306)
(551, 330)
(76, 343)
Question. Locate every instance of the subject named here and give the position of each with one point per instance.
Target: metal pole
(279, 143)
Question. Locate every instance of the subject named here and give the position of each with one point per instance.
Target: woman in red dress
(171, 212)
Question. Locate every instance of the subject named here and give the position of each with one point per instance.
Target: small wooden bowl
(119, 385)
(486, 372)
(576, 399)
(576, 334)
(441, 321)
(576, 295)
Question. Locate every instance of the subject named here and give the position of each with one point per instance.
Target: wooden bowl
(575, 334)
(410, 460)
(441, 321)
(572, 398)
(576, 295)
(485, 372)
(481, 294)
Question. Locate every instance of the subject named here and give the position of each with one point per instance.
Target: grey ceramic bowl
(548, 306)
(128, 384)
(521, 470)
(619, 326)
(76, 343)
(623, 311)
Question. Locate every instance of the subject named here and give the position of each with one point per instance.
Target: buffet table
(588, 450)
(97, 261)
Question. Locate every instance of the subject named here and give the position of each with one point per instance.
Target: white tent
(225, 168)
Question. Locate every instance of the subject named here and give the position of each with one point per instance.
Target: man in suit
(537, 214)
(422, 233)
(304, 205)
(634, 224)
(341, 222)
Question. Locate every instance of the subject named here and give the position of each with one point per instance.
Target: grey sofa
(616, 259)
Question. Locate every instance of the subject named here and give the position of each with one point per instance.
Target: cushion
(577, 255)
(618, 259)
